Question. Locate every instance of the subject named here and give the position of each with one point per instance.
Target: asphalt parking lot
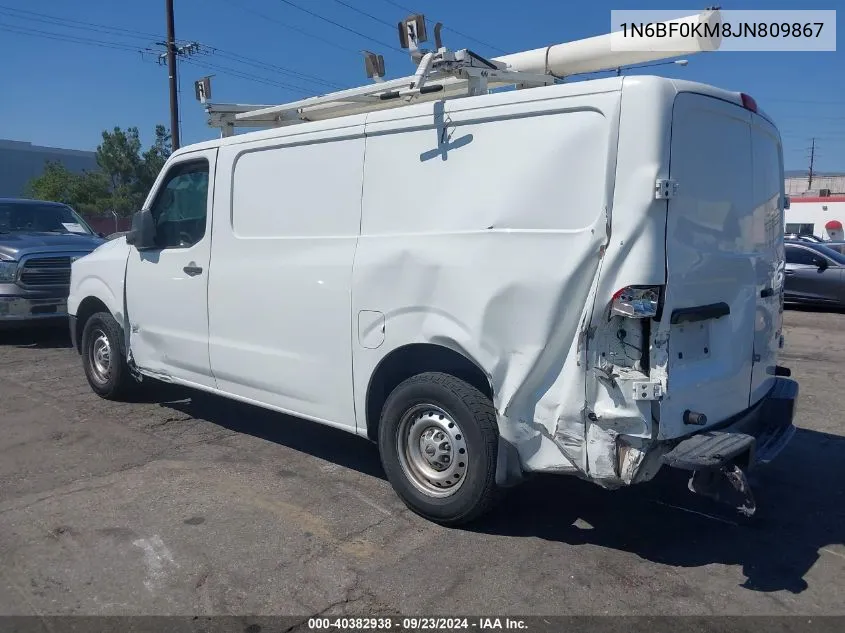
(189, 504)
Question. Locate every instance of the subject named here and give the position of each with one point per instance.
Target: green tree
(55, 183)
(154, 158)
(90, 193)
(121, 184)
(119, 156)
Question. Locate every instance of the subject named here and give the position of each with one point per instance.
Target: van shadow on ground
(801, 510)
(800, 498)
(826, 309)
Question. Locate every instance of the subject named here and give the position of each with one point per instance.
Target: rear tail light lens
(636, 302)
(748, 102)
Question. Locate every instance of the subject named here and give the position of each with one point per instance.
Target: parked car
(805, 237)
(114, 236)
(815, 274)
(38, 242)
(837, 246)
(544, 300)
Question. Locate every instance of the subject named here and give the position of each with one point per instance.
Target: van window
(181, 205)
(798, 255)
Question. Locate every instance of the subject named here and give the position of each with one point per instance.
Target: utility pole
(812, 160)
(171, 68)
(171, 52)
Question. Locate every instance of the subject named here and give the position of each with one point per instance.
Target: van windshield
(34, 217)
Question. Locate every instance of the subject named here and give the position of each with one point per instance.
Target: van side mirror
(143, 232)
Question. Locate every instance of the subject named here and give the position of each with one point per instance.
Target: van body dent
(586, 278)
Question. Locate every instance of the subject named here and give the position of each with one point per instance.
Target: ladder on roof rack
(444, 74)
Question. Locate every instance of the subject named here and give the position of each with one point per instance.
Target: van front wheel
(438, 441)
(103, 358)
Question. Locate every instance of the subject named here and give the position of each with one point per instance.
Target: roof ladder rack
(440, 74)
(445, 74)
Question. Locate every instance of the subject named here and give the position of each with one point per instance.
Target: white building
(823, 217)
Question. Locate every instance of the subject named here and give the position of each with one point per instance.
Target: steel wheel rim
(99, 356)
(432, 450)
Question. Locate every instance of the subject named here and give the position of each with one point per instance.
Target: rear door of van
(724, 260)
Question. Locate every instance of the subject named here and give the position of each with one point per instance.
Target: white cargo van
(584, 278)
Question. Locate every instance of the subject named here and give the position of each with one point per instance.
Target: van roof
(662, 87)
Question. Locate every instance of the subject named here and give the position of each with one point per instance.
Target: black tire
(473, 413)
(117, 382)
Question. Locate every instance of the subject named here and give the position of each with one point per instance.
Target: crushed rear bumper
(719, 457)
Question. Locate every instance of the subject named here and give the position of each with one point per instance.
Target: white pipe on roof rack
(582, 56)
(614, 50)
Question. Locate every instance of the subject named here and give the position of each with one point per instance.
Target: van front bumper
(720, 457)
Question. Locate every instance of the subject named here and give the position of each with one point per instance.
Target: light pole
(677, 62)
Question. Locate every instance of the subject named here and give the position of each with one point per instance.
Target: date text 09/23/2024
(416, 624)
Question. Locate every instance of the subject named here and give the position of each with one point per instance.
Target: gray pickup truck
(38, 242)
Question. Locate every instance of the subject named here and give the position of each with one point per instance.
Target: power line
(295, 28)
(121, 32)
(341, 26)
(256, 63)
(455, 31)
(61, 37)
(129, 48)
(372, 17)
(234, 72)
(304, 89)
(68, 22)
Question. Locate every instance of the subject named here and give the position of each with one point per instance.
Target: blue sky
(65, 93)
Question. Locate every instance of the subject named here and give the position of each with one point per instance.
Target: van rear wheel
(438, 441)
(103, 358)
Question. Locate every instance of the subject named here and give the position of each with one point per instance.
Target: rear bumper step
(711, 449)
(756, 435)
(719, 457)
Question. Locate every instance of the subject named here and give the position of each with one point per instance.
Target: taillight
(636, 302)
(748, 102)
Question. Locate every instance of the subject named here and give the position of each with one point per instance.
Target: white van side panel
(482, 231)
(767, 165)
(285, 232)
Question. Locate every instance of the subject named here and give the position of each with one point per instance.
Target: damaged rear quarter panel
(621, 431)
(482, 231)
